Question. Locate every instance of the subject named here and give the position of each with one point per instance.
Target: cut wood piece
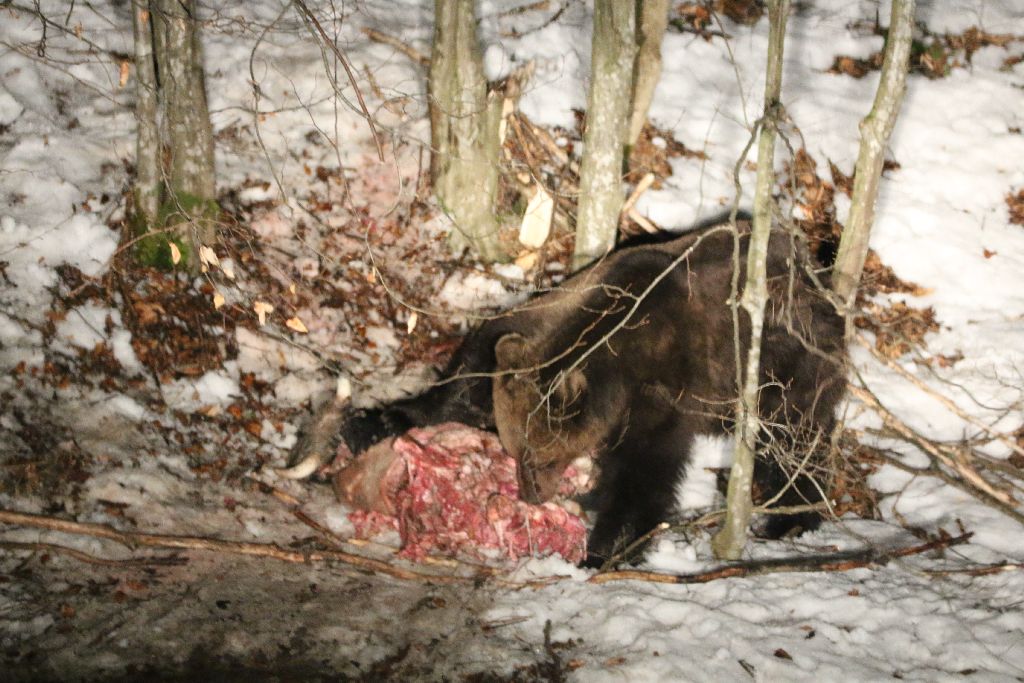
(536, 225)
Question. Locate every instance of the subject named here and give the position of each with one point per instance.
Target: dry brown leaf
(295, 324)
(262, 309)
(527, 260)
(1015, 204)
(212, 410)
(148, 312)
(123, 77)
(208, 256)
(175, 253)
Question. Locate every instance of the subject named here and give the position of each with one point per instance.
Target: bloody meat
(452, 489)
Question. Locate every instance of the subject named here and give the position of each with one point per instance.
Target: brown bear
(629, 359)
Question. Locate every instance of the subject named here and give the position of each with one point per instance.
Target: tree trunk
(191, 189)
(613, 54)
(728, 543)
(147, 142)
(875, 130)
(464, 137)
(175, 192)
(652, 21)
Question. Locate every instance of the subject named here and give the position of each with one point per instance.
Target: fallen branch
(978, 486)
(641, 187)
(172, 560)
(631, 548)
(837, 562)
(979, 570)
(938, 396)
(133, 540)
(643, 221)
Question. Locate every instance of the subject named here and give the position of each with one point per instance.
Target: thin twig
(941, 398)
(837, 562)
(315, 23)
(980, 488)
(978, 570)
(410, 52)
(933, 470)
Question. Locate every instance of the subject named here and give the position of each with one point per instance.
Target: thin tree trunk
(147, 143)
(729, 542)
(652, 21)
(613, 55)
(875, 130)
(191, 189)
(464, 122)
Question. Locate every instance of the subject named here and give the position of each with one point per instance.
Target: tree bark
(175, 191)
(464, 120)
(728, 543)
(652, 21)
(147, 142)
(875, 130)
(191, 189)
(613, 54)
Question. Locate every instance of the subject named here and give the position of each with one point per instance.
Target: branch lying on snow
(171, 560)
(837, 562)
(707, 519)
(974, 482)
(933, 469)
(845, 561)
(133, 540)
(985, 570)
(941, 398)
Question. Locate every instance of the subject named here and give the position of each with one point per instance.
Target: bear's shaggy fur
(627, 361)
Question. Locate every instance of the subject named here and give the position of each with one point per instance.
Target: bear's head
(543, 414)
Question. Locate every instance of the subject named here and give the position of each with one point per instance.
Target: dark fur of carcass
(451, 489)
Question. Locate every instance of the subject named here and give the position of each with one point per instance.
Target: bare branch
(837, 562)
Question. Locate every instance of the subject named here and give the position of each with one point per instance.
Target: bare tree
(613, 54)
(175, 190)
(875, 130)
(652, 21)
(464, 120)
(728, 543)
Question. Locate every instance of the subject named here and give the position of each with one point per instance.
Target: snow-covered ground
(162, 459)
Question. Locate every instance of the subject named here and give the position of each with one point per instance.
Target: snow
(941, 222)
(475, 290)
(213, 388)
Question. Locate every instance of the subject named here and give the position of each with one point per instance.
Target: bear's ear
(511, 352)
